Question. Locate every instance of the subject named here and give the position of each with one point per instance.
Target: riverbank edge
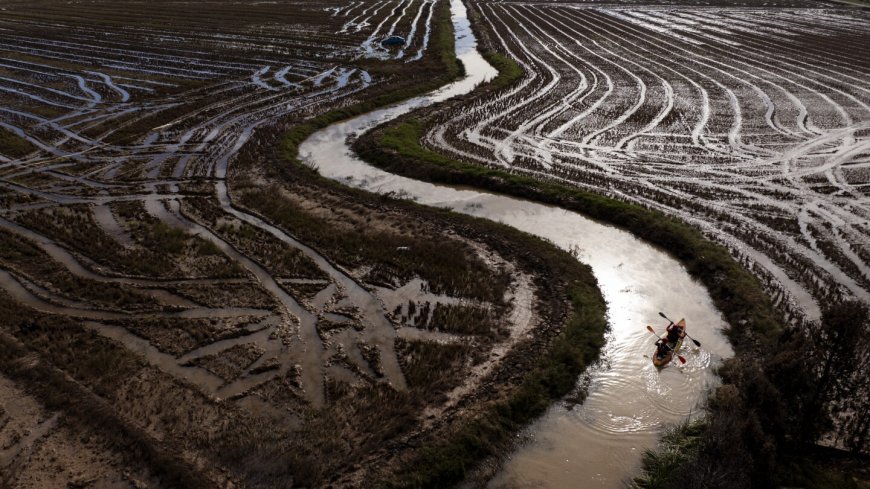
(578, 346)
(395, 147)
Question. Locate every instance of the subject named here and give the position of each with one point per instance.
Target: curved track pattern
(410, 19)
(752, 123)
(121, 126)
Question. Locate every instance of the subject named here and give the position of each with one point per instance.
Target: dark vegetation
(446, 463)
(763, 425)
(426, 382)
(225, 295)
(129, 132)
(254, 242)
(158, 239)
(230, 363)
(161, 248)
(78, 356)
(13, 146)
(32, 262)
(435, 261)
(77, 229)
(179, 336)
(465, 320)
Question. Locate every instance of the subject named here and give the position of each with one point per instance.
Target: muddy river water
(599, 443)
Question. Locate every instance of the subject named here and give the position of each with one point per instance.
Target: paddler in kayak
(668, 345)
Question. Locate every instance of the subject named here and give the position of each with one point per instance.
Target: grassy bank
(508, 70)
(491, 432)
(678, 446)
(737, 293)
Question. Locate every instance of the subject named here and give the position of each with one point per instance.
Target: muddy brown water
(599, 443)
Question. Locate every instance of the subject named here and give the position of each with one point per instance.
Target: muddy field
(177, 312)
(750, 120)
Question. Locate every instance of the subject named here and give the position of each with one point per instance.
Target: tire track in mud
(380, 331)
(705, 102)
(398, 11)
(642, 98)
(311, 346)
(474, 134)
(789, 79)
(414, 25)
(734, 136)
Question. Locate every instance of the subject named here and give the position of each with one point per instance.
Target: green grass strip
(508, 70)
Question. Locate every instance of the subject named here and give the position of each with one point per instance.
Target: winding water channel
(599, 443)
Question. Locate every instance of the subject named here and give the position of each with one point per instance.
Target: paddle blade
(663, 315)
(682, 360)
(696, 342)
(650, 329)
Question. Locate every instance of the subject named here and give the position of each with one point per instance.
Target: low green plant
(509, 71)
(678, 446)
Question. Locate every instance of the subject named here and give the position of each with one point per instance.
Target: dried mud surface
(36, 450)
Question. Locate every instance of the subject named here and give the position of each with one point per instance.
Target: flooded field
(593, 112)
(186, 306)
(749, 120)
(237, 324)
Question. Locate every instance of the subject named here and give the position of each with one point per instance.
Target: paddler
(674, 333)
(662, 348)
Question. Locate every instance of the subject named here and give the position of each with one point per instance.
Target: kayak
(662, 360)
